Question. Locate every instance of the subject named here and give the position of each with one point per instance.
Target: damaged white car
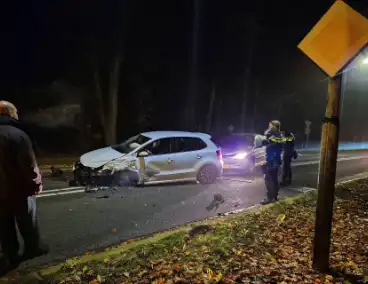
(152, 158)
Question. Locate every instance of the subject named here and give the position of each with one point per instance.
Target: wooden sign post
(332, 44)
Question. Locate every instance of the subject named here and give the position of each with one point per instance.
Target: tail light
(219, 155)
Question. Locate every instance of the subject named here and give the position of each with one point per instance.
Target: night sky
(45, 41)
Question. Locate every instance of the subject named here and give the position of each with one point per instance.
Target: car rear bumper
(236, 165)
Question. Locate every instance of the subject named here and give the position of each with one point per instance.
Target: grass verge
(60, 162)
(270, 245)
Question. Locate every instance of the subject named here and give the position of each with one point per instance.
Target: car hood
(99, 157)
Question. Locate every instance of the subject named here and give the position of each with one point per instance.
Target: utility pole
(327, 176)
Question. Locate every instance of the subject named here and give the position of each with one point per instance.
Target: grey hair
(258, 139)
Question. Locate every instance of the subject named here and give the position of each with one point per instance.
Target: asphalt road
(75, 223)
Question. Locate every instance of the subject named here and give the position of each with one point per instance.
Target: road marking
(339, 160)
(62, 189)
(239, 180)
(60, 193)
(354, 178)
(301, 189)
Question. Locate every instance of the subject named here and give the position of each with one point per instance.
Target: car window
(125, 148)
(236, 141)
(160, 147)
(188, 144)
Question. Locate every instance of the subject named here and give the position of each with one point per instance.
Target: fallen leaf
(282, 218)
(218, 277)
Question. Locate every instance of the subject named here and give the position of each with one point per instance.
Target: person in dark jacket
(273, 144)
(20, 182)
(289, 154)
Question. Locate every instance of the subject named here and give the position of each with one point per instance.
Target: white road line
(62, 189)
(339, 160)
(353, 178)
(60, 193)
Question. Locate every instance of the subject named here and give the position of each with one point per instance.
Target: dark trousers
(287, 174)
(23, 214)
(271, 181)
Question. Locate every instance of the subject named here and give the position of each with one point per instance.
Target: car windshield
(237, 141)
(131, 144)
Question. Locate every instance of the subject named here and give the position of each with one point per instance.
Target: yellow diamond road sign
(338, 36)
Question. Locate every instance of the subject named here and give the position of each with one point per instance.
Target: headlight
(240, 156)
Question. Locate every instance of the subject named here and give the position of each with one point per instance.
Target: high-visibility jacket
(274, 145)
(289, 145)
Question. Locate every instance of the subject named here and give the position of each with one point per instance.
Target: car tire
(207, 174)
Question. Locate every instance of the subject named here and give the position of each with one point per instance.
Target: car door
(188, 152)
(159, 165)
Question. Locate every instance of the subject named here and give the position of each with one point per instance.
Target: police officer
(274, 145)
(289, 153)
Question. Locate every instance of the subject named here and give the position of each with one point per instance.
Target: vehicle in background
(240, 153)
(170, 156)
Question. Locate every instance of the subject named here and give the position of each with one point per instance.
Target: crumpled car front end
(118, 172)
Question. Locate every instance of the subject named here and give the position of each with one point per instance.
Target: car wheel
(207, 174)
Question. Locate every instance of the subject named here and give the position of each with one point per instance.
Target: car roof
(164, 134)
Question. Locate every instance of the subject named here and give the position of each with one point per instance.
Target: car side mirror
(143, 154)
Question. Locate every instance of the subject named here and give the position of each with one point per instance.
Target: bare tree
(211, 107)
(107, 102)
(248, 69)
(190, 111)
(253, 33)
(255, 105)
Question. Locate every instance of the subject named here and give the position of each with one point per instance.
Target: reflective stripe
(277, 140)
(289, 139)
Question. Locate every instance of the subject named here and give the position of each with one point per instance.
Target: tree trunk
(254, 28)
(112, 103)
(210, 111)
(190, 110)
(255, 107)
(247, 78)
(98, 93)
(218, 114)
